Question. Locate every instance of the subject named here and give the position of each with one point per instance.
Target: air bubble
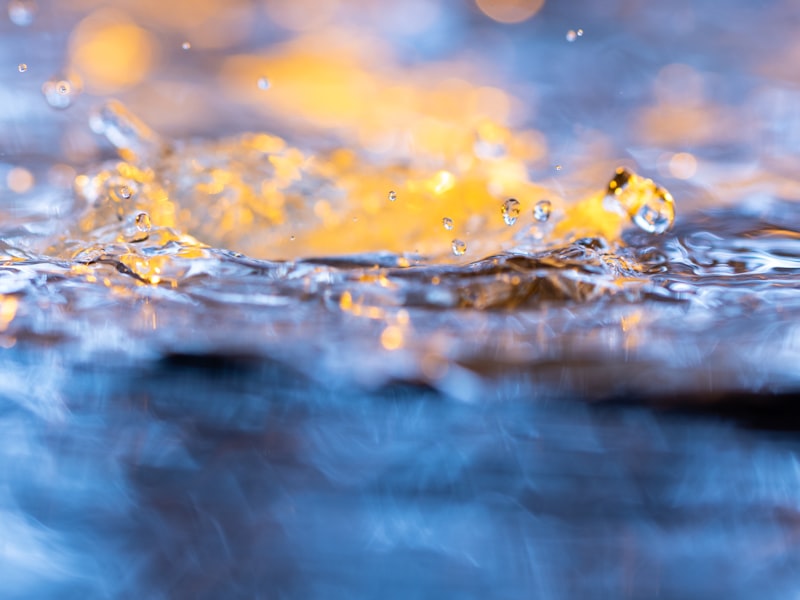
(143, 222)
(392, 196)
(447, 223)
(510, 211)
(22, 67)
(264, 83)
(542, 210)
(459, 247)
(21, 12)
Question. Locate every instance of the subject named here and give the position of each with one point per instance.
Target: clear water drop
(572, 35)
(21, 12)
(392, 196)
(459, 247)
(264, 83)
(447, 223)
(510, 211)
(580, 32)
(542, 210)
(648, 205)
(186, 45)
(559, 167)
(22, 67)
(124, 192)
(59, 92)
(143, 222)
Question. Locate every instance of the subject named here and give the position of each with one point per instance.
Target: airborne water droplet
(186, 46)
(392, 196)
(264, 83)
(572, 35)
(58, 92)
(459, 247)
(22, 67)
(125, 192)
(143, 222)
(541, 212)
(510, 211)
(21, 12)
(447, 223)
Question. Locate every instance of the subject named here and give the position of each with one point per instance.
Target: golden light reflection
(8, 310)
(111, 52)
(392, 338)
(510, 11)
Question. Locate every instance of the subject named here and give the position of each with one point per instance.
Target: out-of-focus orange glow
(682, 165)
(510, 11)
(111, 52)
(392, 338)
(19, 180)
(8, 310)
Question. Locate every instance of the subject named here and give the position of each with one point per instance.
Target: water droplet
(59, 92)
(510, 211)
(143, 222)
(186, 46)
(572, 35)
(292, 238)
(447, 223)
(21, 12)
(541, 212)
(124, 192)
(649, 206)
(264, 83)
(459, 247)
(22, 67)
(580, 32)
(559, 167)
(392, 196)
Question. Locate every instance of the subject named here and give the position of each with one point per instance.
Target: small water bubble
(392, 196)
(459, 247)
(186, 45)
(22, 67)
(58, 92)
(572, 35)
(143, 222)
(510, 211)
(124, 192)
(264, 83)
(447, 223)
(21, 12)
(542, 210)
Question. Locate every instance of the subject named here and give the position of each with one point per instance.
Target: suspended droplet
(541, 212)
(292, 238)
(559, 167)
(186, 45)
(459, 247)
(22, 67)
(59, 92)
(392, 196)
(648, 205)
(580, 32)
(510, 211)
(264, 83)
(143, 222)
(447, 223)
(21, 12)
(124, 192)
(572, 35)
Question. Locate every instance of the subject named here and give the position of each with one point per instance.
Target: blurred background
(181, 421)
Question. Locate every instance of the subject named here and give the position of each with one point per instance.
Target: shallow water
(301, 342)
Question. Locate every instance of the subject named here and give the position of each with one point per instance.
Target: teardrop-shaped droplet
(510, 211)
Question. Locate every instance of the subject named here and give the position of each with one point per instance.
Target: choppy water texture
(474, 337)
